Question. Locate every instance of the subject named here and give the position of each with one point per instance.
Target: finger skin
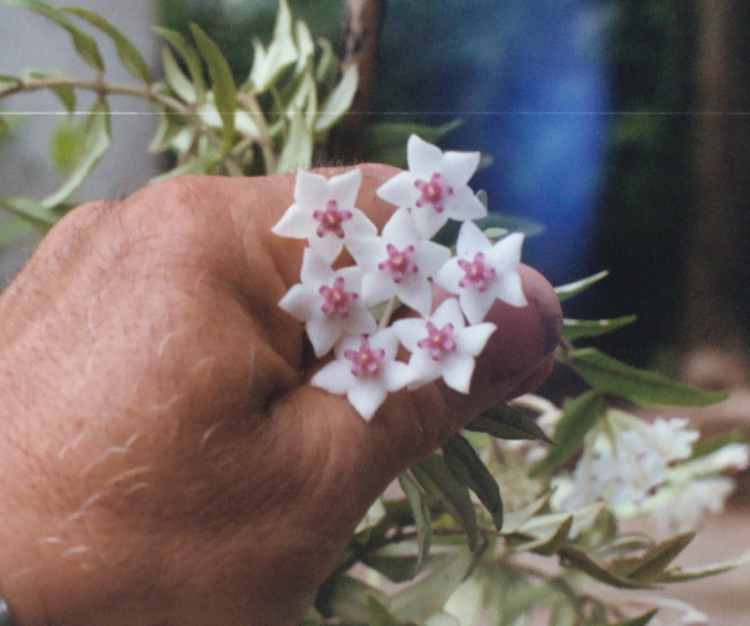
(157, 415)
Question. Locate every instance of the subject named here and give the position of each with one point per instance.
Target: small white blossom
(399, 263)
(482, 272)
(324, 213)
(328, 302)
(365, 370)
(443, 346)
(683, 505)
(672, 438)
(435, 186)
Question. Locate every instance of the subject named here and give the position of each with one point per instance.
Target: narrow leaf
(305, 46)
(224, 89)
(658, 558)
(550, 544)
(177, 81)
(422, 518)
(436, 479)
(30, 211)
(188, 55)
(384, 141)
(565, 292)
(325, 71)
(397, 562)
(609, 375)
(298, 150)
(339, 100)
(466, 467)
(84, 44)
(685, 574)
(95, 145)
(578, 418)
(131, 58)
(584, 329)
(165, 132)
(349, 599)
(641, 620)
(508, 422)
(574, 557)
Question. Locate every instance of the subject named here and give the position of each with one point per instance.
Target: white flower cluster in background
(642, 468)
(399, 264)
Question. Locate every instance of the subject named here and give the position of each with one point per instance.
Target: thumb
(363, 457)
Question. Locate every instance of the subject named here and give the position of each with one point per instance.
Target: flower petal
(377, 288)
(415, 292)
(424, 369)
(347, 343)
(359, 226)
(449, 312)
(476, 304)
(344, 188)
(401, 230)
(336, 377)
(424, 158)
(396, 376)
(449, 276)
(399, 190)
(315, 270)
(352, 276)
(430, 257)
(459, 167)
(328, 246)
(510, 289)
(323, 334)
(386, 340)
(472, 339)
(299, 302)
(310, 190)
(367, 252)
(295, 223)
(360, 322)
(410, 331)
(429, 221)
(366, 397)
(457, 372)
(471, 240)
(506, 253)
(464, 205)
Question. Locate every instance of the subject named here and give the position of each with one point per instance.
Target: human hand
(164, 462)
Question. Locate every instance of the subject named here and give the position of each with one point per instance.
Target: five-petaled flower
(324, 213)
(435, 187)
(443, 346)
(482, 272)
(328, 302)
(365, 370)
(399, 263)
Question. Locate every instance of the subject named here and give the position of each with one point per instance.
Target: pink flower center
(331, 220)
(399, 262)
(438, 341)
(337, 299)
(366, 362)
(476, 273)
(433, 192)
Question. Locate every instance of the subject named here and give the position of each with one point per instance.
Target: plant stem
(265, 141)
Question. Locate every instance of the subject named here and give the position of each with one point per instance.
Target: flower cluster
(398, 264)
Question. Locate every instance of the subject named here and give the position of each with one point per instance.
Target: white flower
(398, 263)
(328, 302)
(365, 370)
(671, 438)
(443, 346)
(481, 272)
(435, 186)
(324, 213)
(686, 503)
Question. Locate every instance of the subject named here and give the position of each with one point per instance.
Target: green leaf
(379, 614)
(652, 564)
(339, 100)
(298, 150)
(550, 544)
(573, 557)
(510, 223)
(328, 63)
(565, 292)
(420, 601)
(422, 518)
(466, 467)
(129, 56)
(95, 144)
(67, 145)
(349, 599)
(268, 65)
(305, 46)
(84, 44)
(385, 142)
(197, 164)
(516, 519)
(578, 418)
(176, 79)
(397, 562)
(685, 574)
(224, 89)
(436, 479)
(641, 620)
(508, 422)
(65, 93)
(189, 56)
(165, 132)
(30, 211)
(584, 329)
(609, 375)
